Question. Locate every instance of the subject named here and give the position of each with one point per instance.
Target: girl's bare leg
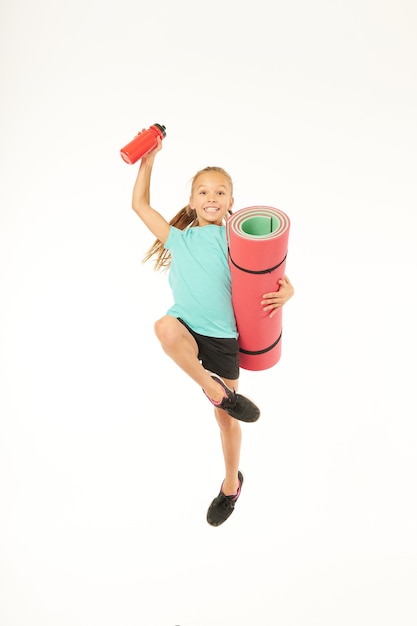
(231, 438)
(179, 344)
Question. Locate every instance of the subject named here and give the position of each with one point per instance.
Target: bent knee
(165, 328)
(168, 330)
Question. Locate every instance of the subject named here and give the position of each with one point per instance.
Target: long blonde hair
(185, 218)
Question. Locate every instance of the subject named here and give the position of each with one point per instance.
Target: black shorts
(219, 355)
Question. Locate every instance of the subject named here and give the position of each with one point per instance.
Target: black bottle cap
(161, 128)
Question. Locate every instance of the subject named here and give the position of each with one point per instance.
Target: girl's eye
(202, 193)
(221, 193)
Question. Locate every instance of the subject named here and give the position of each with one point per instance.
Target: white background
(109, 456)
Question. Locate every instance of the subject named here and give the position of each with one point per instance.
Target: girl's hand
(275, 300)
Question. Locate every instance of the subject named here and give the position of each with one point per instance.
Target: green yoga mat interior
(260, 225)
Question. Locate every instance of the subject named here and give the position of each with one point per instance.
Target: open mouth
(211, 209)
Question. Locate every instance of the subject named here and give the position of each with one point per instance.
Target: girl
(199, 331)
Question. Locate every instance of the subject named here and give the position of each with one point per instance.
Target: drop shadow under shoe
(223, 506)
(236, 405)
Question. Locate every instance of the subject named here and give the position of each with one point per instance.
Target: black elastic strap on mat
(255, 352)
(270, 269)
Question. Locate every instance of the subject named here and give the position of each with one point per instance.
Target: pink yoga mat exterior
(257, 262)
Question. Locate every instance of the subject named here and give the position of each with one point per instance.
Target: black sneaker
(236, 405)
(223, 506)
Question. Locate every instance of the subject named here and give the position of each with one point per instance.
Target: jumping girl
(199, 331)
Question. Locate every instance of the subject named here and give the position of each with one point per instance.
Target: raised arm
(157, 224)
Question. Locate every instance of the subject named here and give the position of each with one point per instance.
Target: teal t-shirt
(200, 280)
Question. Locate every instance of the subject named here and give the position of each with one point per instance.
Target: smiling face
(211, 197)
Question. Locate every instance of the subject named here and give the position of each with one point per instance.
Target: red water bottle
(143, 143)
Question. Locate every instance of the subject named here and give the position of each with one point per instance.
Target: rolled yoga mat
(258, 242)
